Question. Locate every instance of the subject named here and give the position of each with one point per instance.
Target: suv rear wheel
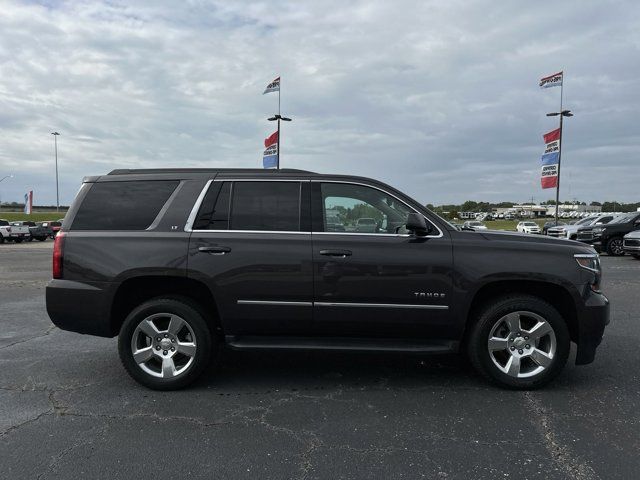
(520, 342)
(165, 343)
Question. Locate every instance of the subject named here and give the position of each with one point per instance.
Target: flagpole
(278, 117)
(559, 153)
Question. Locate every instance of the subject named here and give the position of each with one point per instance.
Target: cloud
(438, 99)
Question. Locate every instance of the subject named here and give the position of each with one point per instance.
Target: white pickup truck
(12, 233)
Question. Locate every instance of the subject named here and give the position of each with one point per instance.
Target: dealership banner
(270, 156)
(550, 159)
(28, 202)
(554, 80)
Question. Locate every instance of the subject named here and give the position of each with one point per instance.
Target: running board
(244, 342)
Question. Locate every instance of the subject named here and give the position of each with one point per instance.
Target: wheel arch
(134, 291)
(556, 295)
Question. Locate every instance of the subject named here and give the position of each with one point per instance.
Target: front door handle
(215, 250)
(336, 253)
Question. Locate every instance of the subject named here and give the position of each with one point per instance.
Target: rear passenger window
(214, 212)
(123, 205)
(273, 206)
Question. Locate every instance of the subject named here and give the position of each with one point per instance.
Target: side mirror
(417, 225)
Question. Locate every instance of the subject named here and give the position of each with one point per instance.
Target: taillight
(58, 255)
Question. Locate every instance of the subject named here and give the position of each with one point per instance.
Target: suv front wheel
(520, 342)
(165, 343)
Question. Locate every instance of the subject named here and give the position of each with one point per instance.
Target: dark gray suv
(180, 262)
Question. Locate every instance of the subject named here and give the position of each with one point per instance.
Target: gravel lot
(69, 410)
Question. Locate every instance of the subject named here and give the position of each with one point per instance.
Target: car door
(386, 282)
(251, 244)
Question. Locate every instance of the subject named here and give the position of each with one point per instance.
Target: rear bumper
(80, 307)
(592, 320)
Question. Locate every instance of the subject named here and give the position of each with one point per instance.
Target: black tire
(489, 316)
(637, 257)
(191, 313)
(615, 247)
(30, 239)
(18, 240)
(1, 239)
(41, 239)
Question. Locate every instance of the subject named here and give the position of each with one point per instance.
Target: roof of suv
(152, 171)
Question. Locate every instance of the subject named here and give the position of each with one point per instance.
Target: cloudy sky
(439, 99)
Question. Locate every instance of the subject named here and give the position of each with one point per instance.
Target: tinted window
(122, 205)
(273, 206)
(357, 208)
(214, 212)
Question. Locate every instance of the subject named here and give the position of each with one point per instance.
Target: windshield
(585, 220)
(627, 217)
(530, 224)
(475, 224)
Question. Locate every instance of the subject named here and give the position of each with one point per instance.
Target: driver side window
(355, 208)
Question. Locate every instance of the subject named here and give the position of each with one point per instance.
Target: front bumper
(632, 246)
(80, 307)
(593, 317)
(596, 244)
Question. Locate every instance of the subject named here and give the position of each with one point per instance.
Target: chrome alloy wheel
(163, 345)
(522, 344)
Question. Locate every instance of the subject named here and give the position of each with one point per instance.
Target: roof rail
(142, 171)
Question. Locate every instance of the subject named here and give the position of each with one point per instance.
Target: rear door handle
(336, 253)
(215, 250)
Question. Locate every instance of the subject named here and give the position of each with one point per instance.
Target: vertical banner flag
(554, 80)
(28, 202)
(270, 155)
(549, 174)
(273, 86)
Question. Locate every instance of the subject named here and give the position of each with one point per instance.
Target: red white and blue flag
(270, 155)
(554, 80)
(273, 86)
(550, 157)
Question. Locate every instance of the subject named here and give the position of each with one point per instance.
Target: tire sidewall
(190, 314)
(609, 247)
(479, 352)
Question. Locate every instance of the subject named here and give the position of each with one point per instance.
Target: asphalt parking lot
(69, 410)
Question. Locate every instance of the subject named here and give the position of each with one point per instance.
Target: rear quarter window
(122, 205)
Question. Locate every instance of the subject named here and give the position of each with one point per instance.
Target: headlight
(590, 261)
(597, 231)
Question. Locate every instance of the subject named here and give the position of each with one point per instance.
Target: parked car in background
(474, 224)
(202, 258)
(631, 244)
(609, 237)
(36, 231)
(334, 224)
(551, 224)
(13, 233)
(54, 226)
(528, 227)
(571, 231)
(366, 225)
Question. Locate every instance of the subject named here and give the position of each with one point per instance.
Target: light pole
(562, 113)
(278, 117)
(55, 142)
(1, 179)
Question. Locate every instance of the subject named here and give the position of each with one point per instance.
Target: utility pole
(1, 179)
(55, 142)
